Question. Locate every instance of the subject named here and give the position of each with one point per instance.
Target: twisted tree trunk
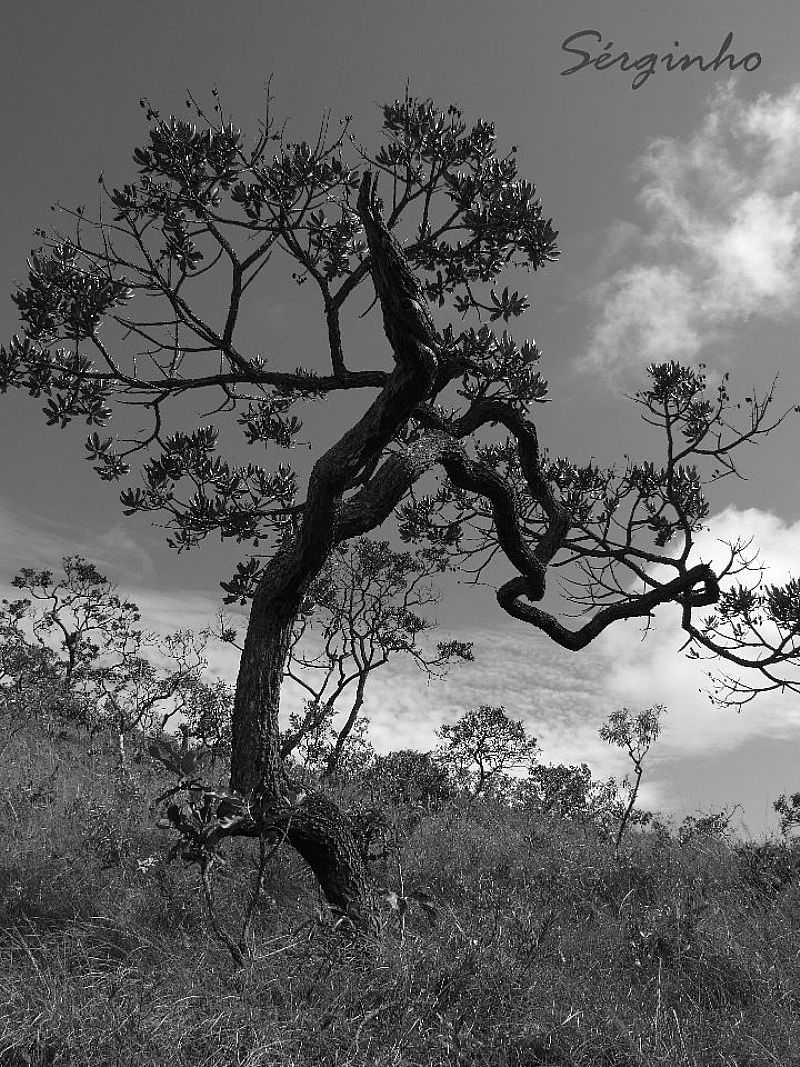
(317, 829)
(325, 837)
(255, 751)
(351, 492)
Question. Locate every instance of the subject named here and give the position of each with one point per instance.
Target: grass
(548, 948)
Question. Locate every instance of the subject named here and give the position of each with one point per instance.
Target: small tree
(557, 788)
(788, 808)
(483, 746)
(635, 734)
(710, 825)
(135, 693)
(32, 688)
(78, 615)
(411, 778)
(312, 753)
(570, 792)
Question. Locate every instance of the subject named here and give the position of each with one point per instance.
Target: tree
(136, 692)
(789, 810)
(311, 757)
(32, 687)
(91, 640)
(635, 734)
(80, 613)
(207, 709)
(570, 792)
(482, 746)
(564, 790)
(412, 778)
(144, 304)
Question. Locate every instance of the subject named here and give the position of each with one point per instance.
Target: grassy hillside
(547, 948)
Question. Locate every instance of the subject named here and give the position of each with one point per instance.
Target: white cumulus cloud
(720, 240)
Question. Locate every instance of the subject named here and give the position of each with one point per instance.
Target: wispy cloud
(30, 540)
(555, 693)
(27, 540)
(719, 242)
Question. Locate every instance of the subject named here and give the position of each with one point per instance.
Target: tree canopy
(482, 746)
(118, 311)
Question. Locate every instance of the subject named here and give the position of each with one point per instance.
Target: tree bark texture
(255, 750)
(324, 836)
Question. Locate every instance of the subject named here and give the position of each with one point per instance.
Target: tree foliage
(570, 792)
(110, 671)
(80, 614)
(788, 808)
(32, 686)
(207, 709)
(410, 777)
(482, 746)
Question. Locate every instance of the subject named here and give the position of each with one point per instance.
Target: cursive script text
(646, 64)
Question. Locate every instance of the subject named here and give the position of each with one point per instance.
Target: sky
(678, 206)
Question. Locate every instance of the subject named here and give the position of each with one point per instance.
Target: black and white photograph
(400, 534)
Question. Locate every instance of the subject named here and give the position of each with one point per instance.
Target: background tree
(788, 808)
(80, 614)
(411, 778)
(561, 789)
(207, 708)
(570, 792)
(135, 692)
(481, 748)
(91, 640)
(311, 757)
(144, 305)
(635, 734)
(361, 612)
(711, 825)
(32, 687)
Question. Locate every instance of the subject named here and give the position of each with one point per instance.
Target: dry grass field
(547, 948)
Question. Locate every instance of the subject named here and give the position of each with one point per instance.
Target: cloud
(721, 239)
(29, 540)
(116, 550)
(553, 691)
(640, 672)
